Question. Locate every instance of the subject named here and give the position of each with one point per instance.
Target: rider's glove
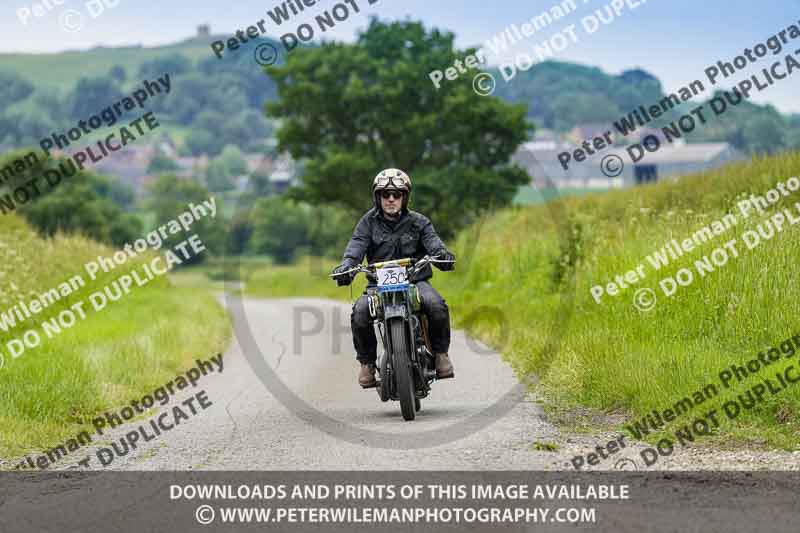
(444, 255)
(343, 280)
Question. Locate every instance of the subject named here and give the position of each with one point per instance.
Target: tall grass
(614, 357)
(535, 265)
(51, 392)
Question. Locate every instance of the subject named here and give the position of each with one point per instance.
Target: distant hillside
(217, 102)
(212, 103)
(562, 95)
(63, 70)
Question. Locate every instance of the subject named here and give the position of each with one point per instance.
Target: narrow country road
(249, 428)
(481, 420)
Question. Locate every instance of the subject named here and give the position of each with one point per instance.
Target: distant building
(540, 159)
(128, 165)
(167, 147)
(282, 173)
(640, 133)
(677, 159)
(258, 163)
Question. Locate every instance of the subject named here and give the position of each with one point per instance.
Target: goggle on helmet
(392, 178)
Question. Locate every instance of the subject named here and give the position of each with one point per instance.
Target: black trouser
(434, 307)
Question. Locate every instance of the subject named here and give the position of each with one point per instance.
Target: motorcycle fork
(421, 353)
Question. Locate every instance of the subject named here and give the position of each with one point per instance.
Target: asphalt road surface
(484, 419)
(322, 420)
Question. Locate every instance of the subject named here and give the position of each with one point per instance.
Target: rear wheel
(401, 367)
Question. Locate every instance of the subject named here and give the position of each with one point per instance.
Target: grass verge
(51, 392)
(528, 261)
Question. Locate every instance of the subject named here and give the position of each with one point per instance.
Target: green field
(62, 70)
(51, 392)
(521, 294)
(529, 195)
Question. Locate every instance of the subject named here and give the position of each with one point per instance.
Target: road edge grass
(608, 365)
(113, 357)
(103, 359)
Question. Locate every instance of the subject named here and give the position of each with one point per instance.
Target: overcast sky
(673, 39)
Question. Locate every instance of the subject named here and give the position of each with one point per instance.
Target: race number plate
(392, 278)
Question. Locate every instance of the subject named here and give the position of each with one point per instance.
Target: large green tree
(354, 109)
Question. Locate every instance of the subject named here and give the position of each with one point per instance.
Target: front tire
(401, 367)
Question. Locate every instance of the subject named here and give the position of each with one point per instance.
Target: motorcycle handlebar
(409, 262)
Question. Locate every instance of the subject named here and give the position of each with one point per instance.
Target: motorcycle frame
(397, 304)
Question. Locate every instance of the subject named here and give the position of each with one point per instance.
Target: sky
(676, 40)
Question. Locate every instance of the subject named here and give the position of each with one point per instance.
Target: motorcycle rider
(391, 231)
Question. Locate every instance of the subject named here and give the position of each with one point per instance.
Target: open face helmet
(391, 179)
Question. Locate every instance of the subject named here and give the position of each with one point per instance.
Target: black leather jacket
(411, 236)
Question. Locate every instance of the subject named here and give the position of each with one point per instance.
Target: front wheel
(401, 366)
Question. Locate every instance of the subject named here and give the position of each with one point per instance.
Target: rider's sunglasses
(391, 194)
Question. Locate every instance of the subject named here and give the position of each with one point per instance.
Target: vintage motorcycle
(407, 366)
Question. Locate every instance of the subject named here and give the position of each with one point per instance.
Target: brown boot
(444, 368)
(366, 376)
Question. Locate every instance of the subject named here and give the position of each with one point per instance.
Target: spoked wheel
(402, 370)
